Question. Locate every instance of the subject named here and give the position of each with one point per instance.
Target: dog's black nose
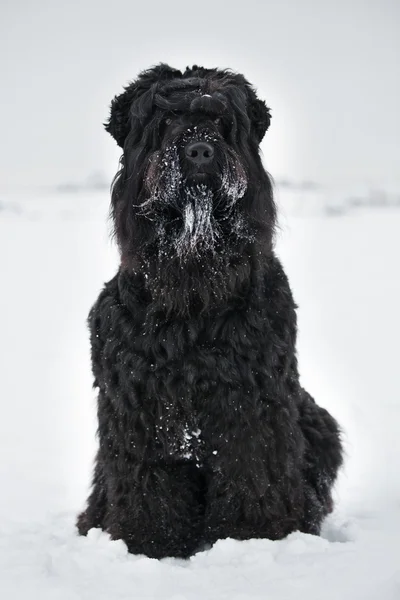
(199, 153)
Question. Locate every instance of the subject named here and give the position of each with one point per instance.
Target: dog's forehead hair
(199, 95)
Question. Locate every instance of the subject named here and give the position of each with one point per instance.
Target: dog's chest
(191, 364)
(192, 369)
(172, 377)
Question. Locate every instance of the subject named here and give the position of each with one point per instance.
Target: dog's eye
(164, 123)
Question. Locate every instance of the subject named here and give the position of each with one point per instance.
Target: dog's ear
(260, 117)
(118, 124)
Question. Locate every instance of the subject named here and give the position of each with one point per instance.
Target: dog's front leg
(152, 500)
(254, 484)
(155, 509)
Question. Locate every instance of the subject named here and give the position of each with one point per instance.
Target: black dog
(204, 429)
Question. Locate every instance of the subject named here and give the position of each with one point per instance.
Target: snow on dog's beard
(199, 227)
(197, 232)
(200, 211)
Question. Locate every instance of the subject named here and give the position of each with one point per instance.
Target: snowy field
(344, 270)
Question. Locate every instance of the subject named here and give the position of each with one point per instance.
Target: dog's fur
(204, 430)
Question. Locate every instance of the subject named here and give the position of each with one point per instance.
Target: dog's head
(191, 187)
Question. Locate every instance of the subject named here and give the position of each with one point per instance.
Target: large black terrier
(204, 429)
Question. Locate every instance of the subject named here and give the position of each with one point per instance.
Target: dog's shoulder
(276, 282)
(278, 300)
(107, 296)
(120, 303)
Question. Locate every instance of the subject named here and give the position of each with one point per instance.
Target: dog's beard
(199, 227)
(192, 219)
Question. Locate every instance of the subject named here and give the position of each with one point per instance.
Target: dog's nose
(199, 153)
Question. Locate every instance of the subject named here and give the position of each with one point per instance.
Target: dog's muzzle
(193, 190)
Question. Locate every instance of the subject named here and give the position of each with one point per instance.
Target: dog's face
(191, 185)
(194, 178)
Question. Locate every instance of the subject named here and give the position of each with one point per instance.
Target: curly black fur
(204, 430)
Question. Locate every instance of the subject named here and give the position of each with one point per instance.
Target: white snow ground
(344, 270)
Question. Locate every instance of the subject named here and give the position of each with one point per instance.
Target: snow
(54, 257)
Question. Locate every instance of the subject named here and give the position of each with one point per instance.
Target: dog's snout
(199, 153)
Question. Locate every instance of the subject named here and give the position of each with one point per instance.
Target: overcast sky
(330, 70)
